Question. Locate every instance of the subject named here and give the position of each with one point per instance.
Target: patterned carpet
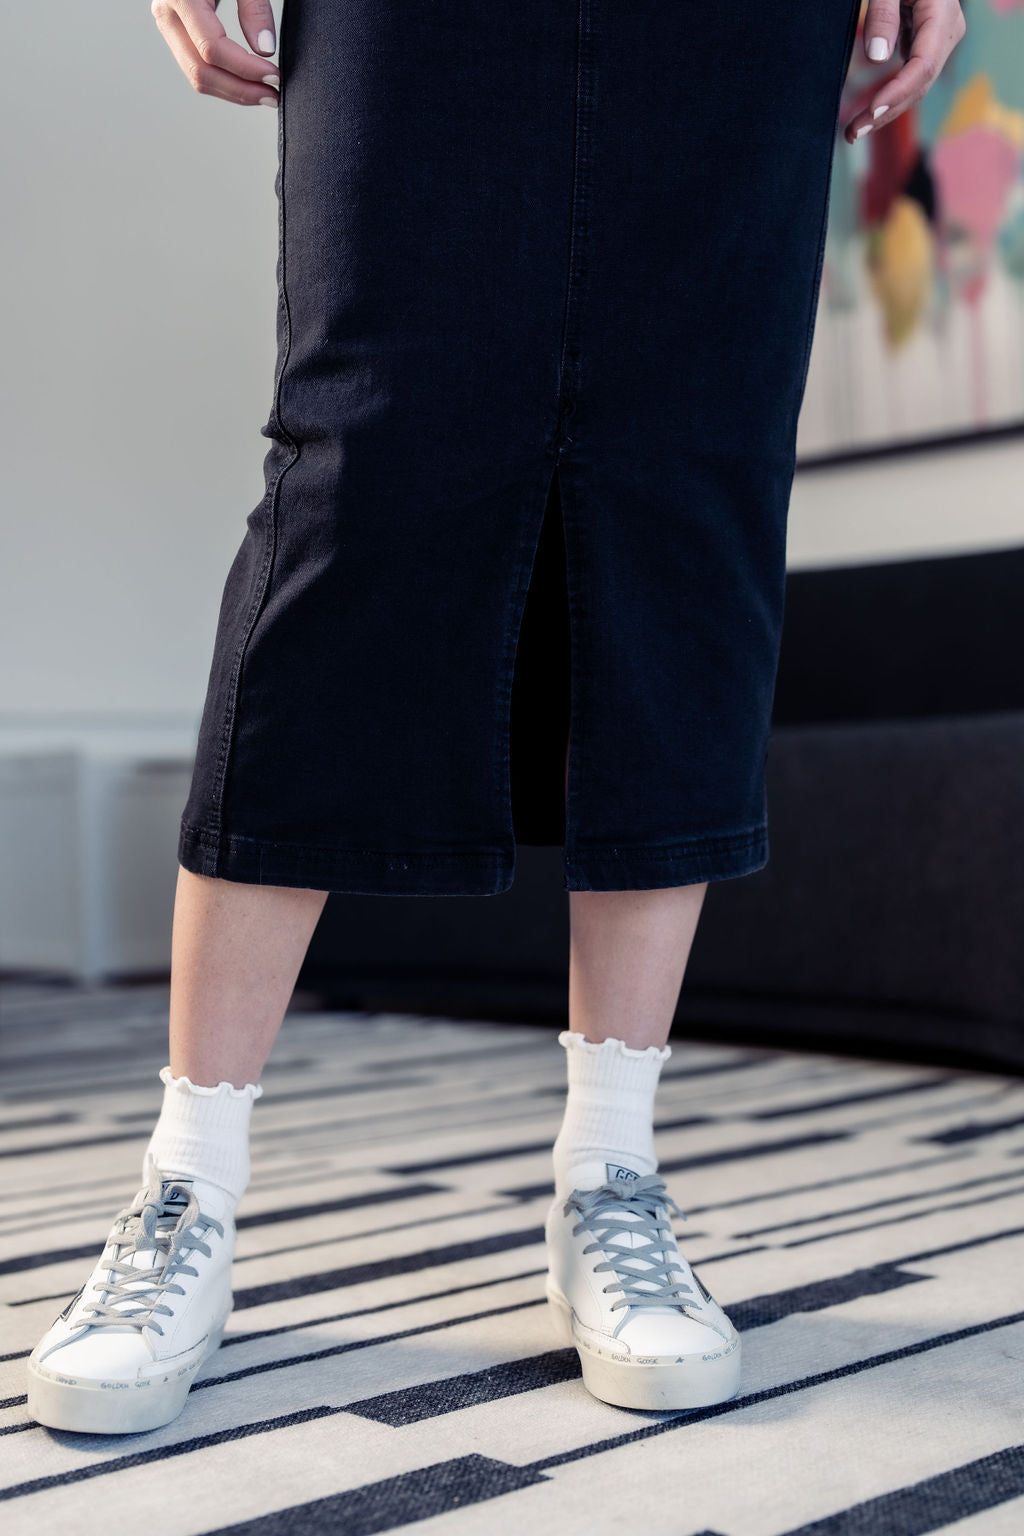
(391, 1362)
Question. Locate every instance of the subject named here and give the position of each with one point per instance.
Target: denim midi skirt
(547, 281)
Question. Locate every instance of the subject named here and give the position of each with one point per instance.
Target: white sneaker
(649, 1334)
(122, 1355)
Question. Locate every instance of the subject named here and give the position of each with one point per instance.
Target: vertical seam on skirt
(579, 223)
(271, 495)
(567, 306)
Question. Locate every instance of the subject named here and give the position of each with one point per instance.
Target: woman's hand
(926, 31)
(213, 64)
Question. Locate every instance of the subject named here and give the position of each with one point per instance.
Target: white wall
(139, 245)
(139, 237)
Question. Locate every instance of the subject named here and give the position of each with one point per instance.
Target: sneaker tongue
(620, 1171)
(592, 1173)
(213, 1201)
(174, 1195)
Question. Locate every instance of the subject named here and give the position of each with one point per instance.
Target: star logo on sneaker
(617, 1171)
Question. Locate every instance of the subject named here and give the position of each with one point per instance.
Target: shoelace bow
(147, 1224)
(637, 1207)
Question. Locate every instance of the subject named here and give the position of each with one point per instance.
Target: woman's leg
(627, 958)
(236, 951)
(628, 954)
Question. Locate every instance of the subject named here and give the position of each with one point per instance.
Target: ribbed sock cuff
(609, 1109)
(612, 1063)
(203, 1132)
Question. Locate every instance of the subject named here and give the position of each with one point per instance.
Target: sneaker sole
(114, 1407)
(689, 1381)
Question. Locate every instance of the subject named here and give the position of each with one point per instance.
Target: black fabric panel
(893, 885)
(903, 639)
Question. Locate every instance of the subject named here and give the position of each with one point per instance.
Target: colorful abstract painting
(920, 328)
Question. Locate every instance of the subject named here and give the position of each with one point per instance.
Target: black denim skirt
(547, 281)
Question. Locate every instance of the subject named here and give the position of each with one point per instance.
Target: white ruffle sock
(608, 1128)
(202, 1136)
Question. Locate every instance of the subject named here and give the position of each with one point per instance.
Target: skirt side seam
(271, 501)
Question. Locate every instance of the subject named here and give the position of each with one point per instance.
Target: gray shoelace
(637, 1207)
(147, 1224)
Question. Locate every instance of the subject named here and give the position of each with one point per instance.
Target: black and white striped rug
(391, 1361)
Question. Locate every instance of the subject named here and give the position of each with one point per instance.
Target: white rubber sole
(690, 1381)
(115, 1407)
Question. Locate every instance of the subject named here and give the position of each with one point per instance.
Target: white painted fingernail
(274, 80)
(878, 48)
(268, 101)
(265, 42)
(879, 110)
(864, 128)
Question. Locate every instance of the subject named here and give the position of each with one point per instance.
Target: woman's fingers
(881, 29)
(933, 28)
(212, 62)
(257, 22)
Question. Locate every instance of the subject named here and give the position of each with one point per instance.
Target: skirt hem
(652, 866)
(456, 872)
(349, 871)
